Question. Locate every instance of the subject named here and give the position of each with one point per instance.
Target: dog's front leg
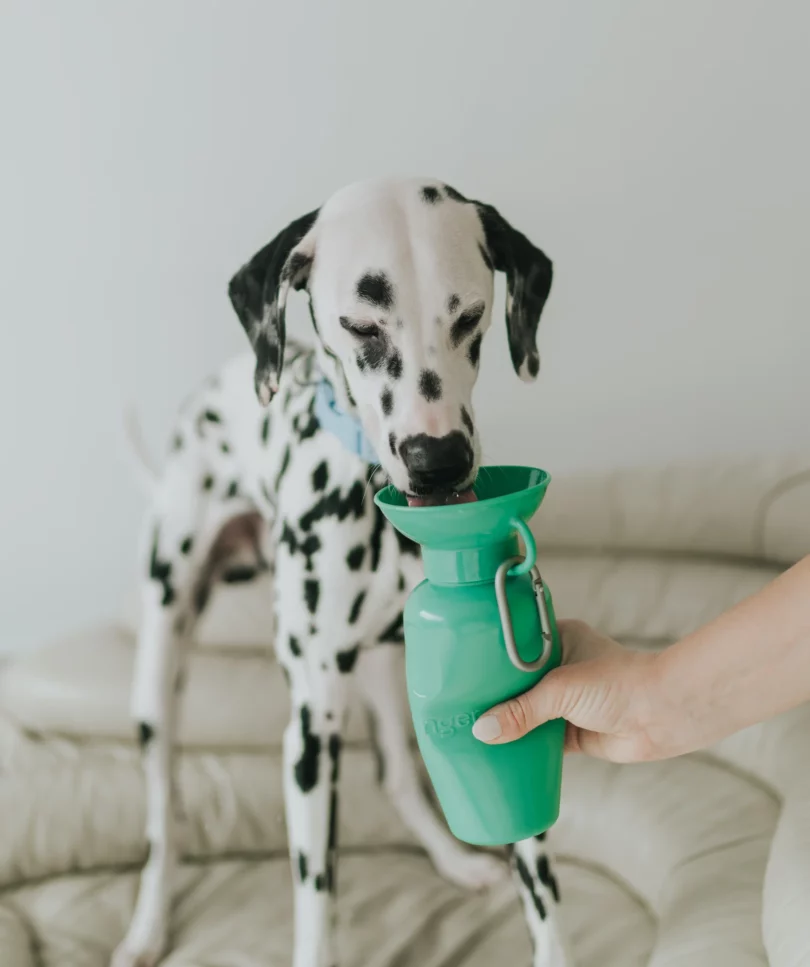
(540, 893)
(316, 666)
(380, 677)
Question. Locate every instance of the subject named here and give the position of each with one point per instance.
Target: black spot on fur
(145, 734)
(533, 365)
(528, 882)
(541, 837)
(453, 303)
(305, 424)
(289, 538)
(376, 289)
(333, 813)
(302, 867)
(306, 769)
(374, 352)
(392, 443)
(547, 878)
(224, 447)
(334, 755)
(239, 574)
(474, 350)
(452, 193)
(312, 592)
(331, 856)
(265, 428)
(185, 547)
(313, 630)
(466, 323)
(430, 385)
(177, 442)
(233, 489)
(401, 583)
(355, 557)
(357, 607)
(395, 632)
(361, 362)
(466, 419)
(346, 660)
(486, 258)
(208, 482)
(406, 545)
(161, 571)
(320, 476)
(395, 364)
(285, 464)
(334, 504)
(309, 547)
(212, 416)
(387, 401)
(321, 882)
(375, 542)
(431, 195)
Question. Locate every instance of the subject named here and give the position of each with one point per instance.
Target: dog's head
(400, 281)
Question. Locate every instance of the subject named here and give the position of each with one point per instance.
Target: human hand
(605, 692)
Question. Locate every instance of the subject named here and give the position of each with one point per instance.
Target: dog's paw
(471, 869)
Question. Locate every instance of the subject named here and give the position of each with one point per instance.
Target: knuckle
(518, 711)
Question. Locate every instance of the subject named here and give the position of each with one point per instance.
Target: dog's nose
(437, 463)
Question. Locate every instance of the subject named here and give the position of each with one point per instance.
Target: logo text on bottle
(445, 727)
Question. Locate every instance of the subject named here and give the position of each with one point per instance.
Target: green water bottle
(480, 629)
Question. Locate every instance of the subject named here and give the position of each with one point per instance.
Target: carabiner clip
(506, 617)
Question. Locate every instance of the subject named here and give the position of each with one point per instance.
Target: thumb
(514, 718)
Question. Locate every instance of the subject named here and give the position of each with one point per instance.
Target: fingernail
(486, 728)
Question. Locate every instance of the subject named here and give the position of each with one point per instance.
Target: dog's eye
(363, 330)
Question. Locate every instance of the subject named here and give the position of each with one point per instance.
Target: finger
(519, 715)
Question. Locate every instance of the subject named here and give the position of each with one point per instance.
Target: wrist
(667, 722)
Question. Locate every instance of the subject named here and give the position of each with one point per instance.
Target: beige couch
(702, 861)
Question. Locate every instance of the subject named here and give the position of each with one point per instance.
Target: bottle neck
(472, 565)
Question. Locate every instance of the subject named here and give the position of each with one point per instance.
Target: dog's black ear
(258, 293)
(528, 282)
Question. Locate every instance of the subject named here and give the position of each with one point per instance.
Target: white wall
(658, 151)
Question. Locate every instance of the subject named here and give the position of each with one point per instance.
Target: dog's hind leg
(190, 532)
(380, 675)
(540, 894)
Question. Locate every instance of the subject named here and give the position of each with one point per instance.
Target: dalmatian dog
(399, 276)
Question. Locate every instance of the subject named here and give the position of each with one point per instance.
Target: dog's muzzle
(437, 465)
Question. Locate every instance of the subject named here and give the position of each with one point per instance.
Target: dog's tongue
(442, 500)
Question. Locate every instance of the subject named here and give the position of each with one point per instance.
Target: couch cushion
(393, 910)
(756, 509)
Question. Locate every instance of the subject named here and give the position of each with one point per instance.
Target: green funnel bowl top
(504, 493)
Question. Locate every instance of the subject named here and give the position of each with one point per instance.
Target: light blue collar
(344, 426)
